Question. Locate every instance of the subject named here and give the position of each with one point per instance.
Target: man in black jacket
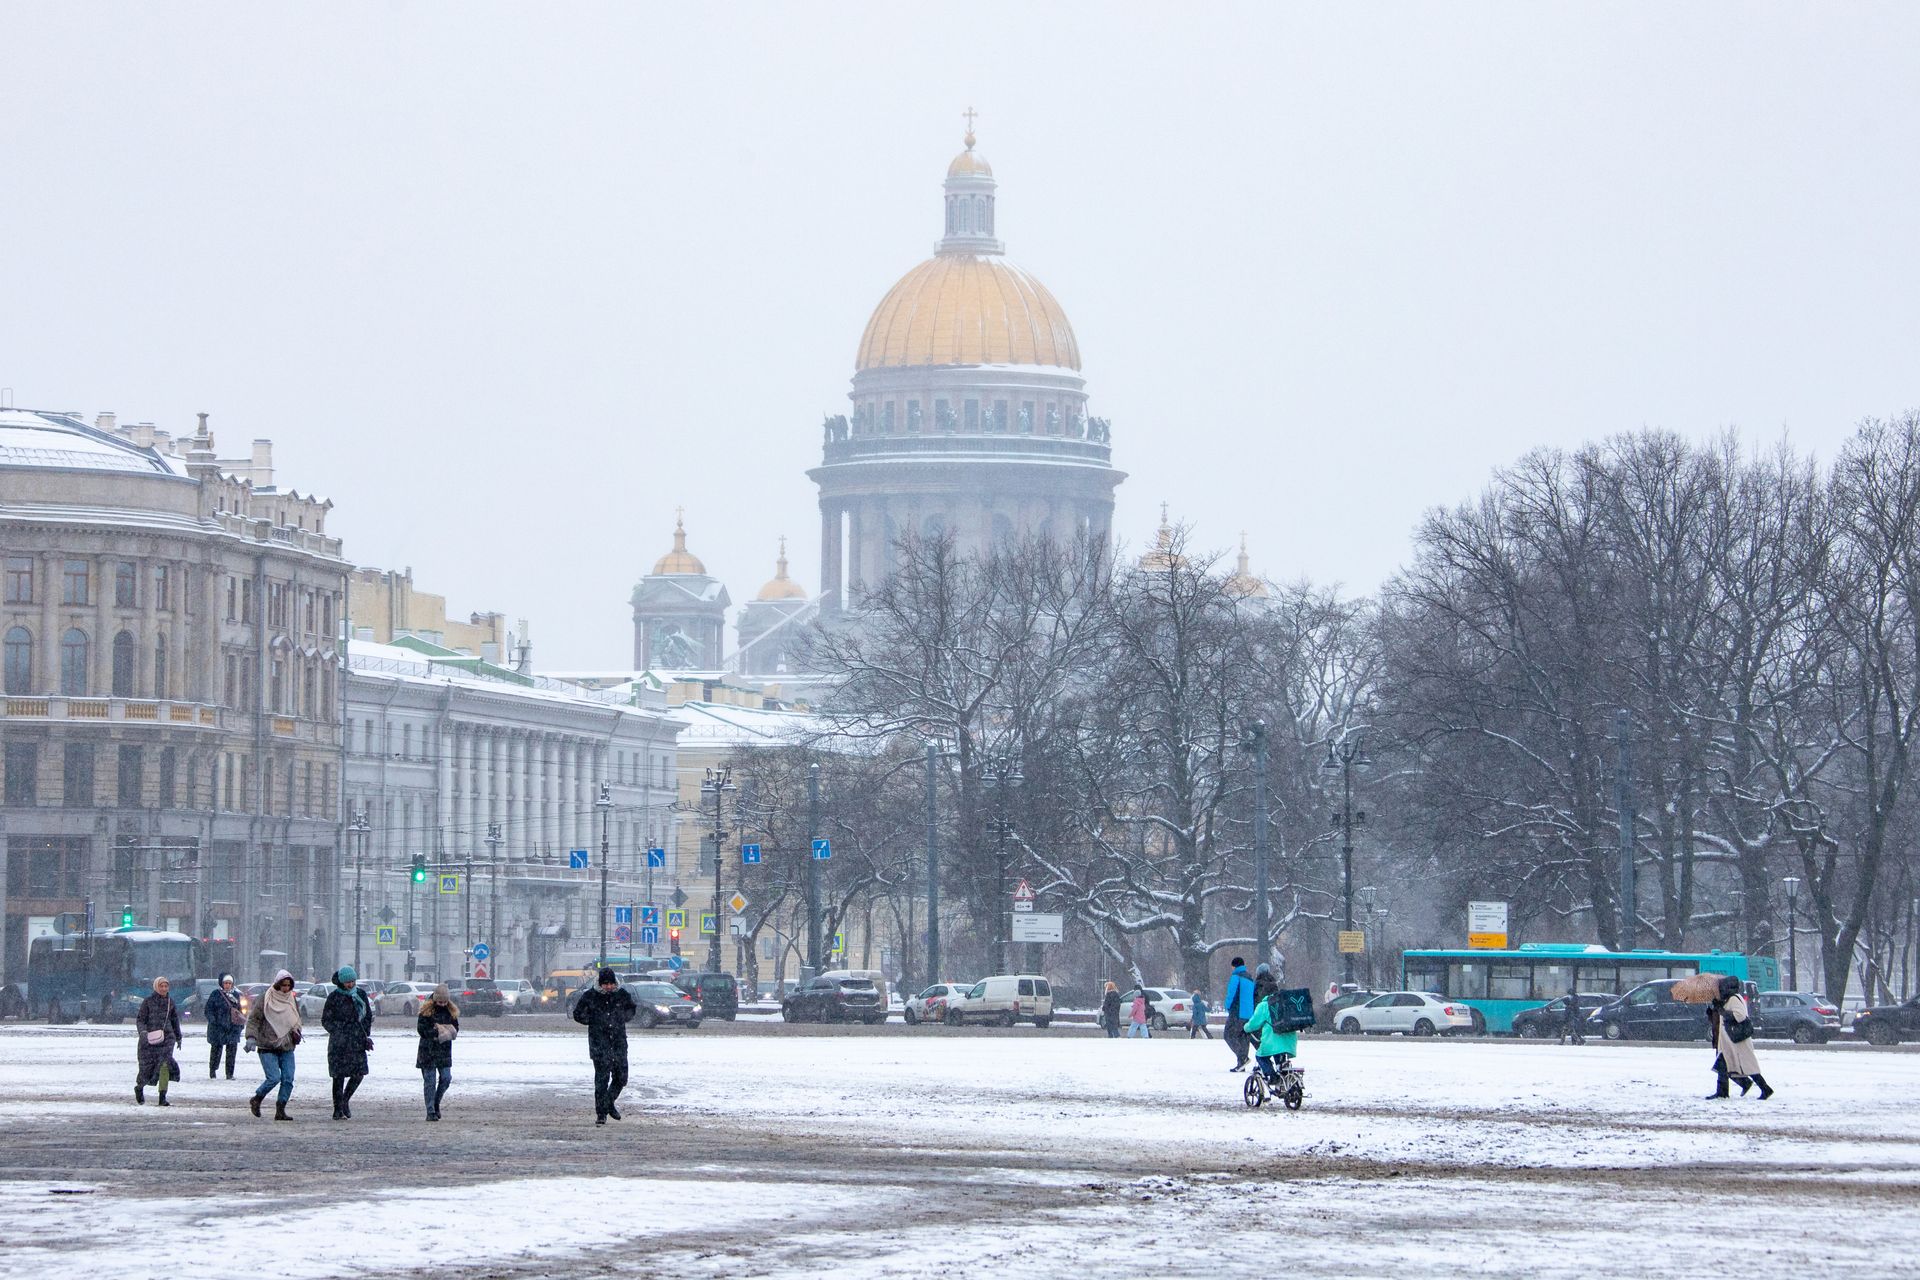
(605, 1012)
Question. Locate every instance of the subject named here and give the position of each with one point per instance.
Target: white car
(931, 1005)
(405, 999)
(518, 993)
(1166, 1006)
(313, 1000)
(1414, 1013)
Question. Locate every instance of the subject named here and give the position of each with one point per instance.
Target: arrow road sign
(623, 915)
(649, 915)
(822, 849)
(481, 951)
(656, 857)
(649, 934)
(623, 933)
(750, 853)
(578, 859)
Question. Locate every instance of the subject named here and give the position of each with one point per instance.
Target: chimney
(262, 468)
(106, 421)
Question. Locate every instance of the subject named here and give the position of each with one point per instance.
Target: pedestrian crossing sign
(450, 884)
(708, 927)
(383, 935)
(676, 917)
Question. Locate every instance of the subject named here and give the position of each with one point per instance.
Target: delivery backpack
(1292, 1009)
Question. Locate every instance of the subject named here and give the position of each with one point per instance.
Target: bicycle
(1289, 1085)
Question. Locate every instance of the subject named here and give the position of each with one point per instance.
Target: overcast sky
(510, 282)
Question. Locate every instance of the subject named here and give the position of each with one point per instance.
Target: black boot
(1721, 1090)
(1766, 1090)
(338, 1109)
(280, 1111)
(253, 1105)
(140, 1094)
(163, 1097)
(1746, 1083)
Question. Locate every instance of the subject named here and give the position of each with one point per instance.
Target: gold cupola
(780, 586)
(1243, 583)
(679, 560)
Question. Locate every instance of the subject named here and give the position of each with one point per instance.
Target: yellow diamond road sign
(738, 902)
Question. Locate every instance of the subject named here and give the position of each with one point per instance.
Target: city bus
(1498, 984)
(79, 974)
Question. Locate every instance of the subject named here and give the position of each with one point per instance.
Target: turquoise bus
(1498, 984)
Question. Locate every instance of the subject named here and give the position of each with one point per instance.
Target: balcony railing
(110, 710)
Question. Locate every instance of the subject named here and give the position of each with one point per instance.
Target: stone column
(482, 788)
(830, 585)
(206, 636)
(47, 678)
(444, 773)
(100, 684)
(143, 681)
(856, 551)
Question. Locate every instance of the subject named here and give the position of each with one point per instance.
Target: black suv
(834, 998)
(1888, 1023)
(478, 995)
(718, 993)
(1649, 1012)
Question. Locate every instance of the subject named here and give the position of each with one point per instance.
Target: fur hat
(607, 976)
(441, 995)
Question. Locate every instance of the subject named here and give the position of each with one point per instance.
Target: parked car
(1805, 1017)
(1327, 1018)
(406, 999)
(931, 1004)
(1004, 998)
(477, 995)
(717, 993)
(556, 995)
(834, 998)
(1649, 1012)
(1414, 1013)
(1888, 1023)
(1550, 1019)
(661, 1004)
(518, 993)
(1164, 1005)
(313, 1000)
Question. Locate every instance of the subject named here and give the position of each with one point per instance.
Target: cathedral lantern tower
(969, 414)
(679, 612)
(772, 625)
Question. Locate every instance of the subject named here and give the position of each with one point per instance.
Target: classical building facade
(969, 414)
(772, 625)
(171, 719)
(679, 612)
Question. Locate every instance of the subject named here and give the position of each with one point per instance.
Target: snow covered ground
(936, 1153)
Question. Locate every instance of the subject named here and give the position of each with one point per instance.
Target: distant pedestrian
(1576, 1034)
(605, 1012)
(438, 1024)
(224, 1021)
(1110, 1011)
(158, 1023)
(1731, 1022)
(1137, 1018)
(1239, 1007)
(1197, 1024)
(1263, 985)
(273, 1029)
(348, 1019)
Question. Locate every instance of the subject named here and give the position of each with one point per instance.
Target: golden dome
(780, 586)
(969, 164)
(679, 560)
(1243, 583)
(1163, 557)
(957, 308)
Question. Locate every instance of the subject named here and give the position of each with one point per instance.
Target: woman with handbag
(1732, 1024)
(158, 1023)
(439, 1023)
(223, 1025)
(348, 1019)
(273, 1028)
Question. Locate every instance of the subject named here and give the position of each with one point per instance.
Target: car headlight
(661, 1008)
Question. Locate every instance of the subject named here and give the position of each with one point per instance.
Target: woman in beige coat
(1732, 1018)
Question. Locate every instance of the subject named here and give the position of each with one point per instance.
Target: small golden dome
(1243, 583)
(679, 560)
(957, 308)
(780, 586)
(1163, 557)
(969, 163)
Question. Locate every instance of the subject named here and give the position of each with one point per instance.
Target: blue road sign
(481, 951)
(675, 962)
(749, 853)
(649, 934)
(623, 915)
(656, 857)
(450, 884)
(577, 859)
(649, 915)
(822, 849)
(383, 935)
(623, 933)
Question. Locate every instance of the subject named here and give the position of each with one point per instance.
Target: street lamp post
(1343, 758)
(933, 870)
(1793, 919)
(494, 841)
(718, 782)
(359, 827)
(1256, 742)
(1367, 893)
(1005, 774)
(604, 803)
(813, 870)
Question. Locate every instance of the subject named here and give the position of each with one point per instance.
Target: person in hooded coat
(1239, 1004)
(438, 1024)
(1137, 1018)
(1110, 1011)
(223, 1025)
(1729, 1016)
(348, 1019)
(158, 1023)
(273, 1028)
(605, 1011)
(1264, 985)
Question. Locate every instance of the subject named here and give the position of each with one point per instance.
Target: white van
(1004, 999)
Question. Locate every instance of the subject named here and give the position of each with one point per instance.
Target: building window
(123, 665)
(233, 681)
(160, 666)
(126, 585)
(74, 582)
(306, 788)
(47, 866)
(130, 769)
(166, 779)
(23, 774)
(19, 579)
(266, 786)
(246, 601)
(406, 742)
(973, 415)
(162, 587)
(278, 688)
(277, 605)
(76, 776)
(306, 598)
(233, 587)
(307, 679)
(73, 664)
(19, 660)
(886, 416)
(326, 615)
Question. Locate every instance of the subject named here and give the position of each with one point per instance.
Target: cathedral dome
(969, 163)
(780, 586)
(968, 309)
(679, 560)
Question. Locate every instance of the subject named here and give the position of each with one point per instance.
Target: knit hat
(157, 981)
(225, 978)
(344, 974)
(606, 976)
(1261, 969)
(441, 995)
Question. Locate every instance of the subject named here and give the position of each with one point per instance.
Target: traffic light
(673, 937)
(126, 917)
(419, 868)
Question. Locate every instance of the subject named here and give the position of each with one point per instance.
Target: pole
(359, 878)
(1262, 920)
(1004, 914)
(933, 870)
(1623, 785)
(718, 781)
(466, 902)
(813, 870)
(606, 813)
(1793, 920)
(1346, 853)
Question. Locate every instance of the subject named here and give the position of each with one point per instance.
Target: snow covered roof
(409, 662)
(60, 441)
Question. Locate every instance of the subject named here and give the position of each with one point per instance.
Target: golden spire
(969, 114)
(679, 560)
(1162, 556)
(1243, 583)
(780, 586)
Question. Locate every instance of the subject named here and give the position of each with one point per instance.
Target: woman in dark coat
(438, 1024)
(1110, 1011)
(223, 1025)
(158, 1023)
(348, 1019)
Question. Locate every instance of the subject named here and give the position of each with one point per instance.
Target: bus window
(1467, 980)
(1601, 979)
(1632, 975)
(1510, 981)
(1550, 980)
(1427, 975)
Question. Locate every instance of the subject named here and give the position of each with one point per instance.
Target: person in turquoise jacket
(1268, 1042)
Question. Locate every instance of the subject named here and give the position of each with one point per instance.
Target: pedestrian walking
(1110, 1011)
(438, 1024)
(1274, 1047)
(273, 1030)
(1137, 1018)
(605, 1011)
(224, 1022)
(1239, 1006)
(347, 1017)
(158, 1023)
(1575, 1033)
(1731, 1022)
(1197, 1024)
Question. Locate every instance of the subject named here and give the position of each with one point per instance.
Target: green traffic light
(126, 919)
(419, 875)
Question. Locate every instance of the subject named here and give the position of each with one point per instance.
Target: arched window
(123, 665)
(19, 661)
(73, 664)
(160, 667)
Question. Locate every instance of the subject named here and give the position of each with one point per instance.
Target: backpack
(1291, 1009)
